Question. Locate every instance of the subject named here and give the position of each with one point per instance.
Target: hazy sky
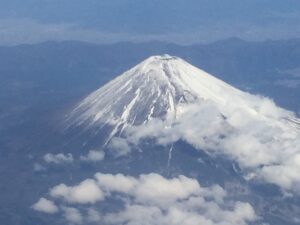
(184, 21)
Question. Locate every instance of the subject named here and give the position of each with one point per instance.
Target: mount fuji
(162, 87)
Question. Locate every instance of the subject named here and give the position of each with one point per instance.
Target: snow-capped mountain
(154, 88)
(161, 87)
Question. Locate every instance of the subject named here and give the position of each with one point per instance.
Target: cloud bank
(150, 199)
(264, 139)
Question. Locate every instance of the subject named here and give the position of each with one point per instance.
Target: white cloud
(116, 183)
(58, 158)
(151, 199)
(285, 175)
(119, 146)
(86, 192)
(258, 137)
(45, 206)
(72, 215)
(155, 189)
(93, 156)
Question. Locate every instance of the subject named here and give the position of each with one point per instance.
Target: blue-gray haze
(183, 21)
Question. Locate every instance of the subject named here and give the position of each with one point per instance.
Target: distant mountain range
(253, 66)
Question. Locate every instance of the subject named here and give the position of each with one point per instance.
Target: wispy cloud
(119, 147)
(93, 156)
(59, 158)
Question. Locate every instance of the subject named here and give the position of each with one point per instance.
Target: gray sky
(181, 21)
